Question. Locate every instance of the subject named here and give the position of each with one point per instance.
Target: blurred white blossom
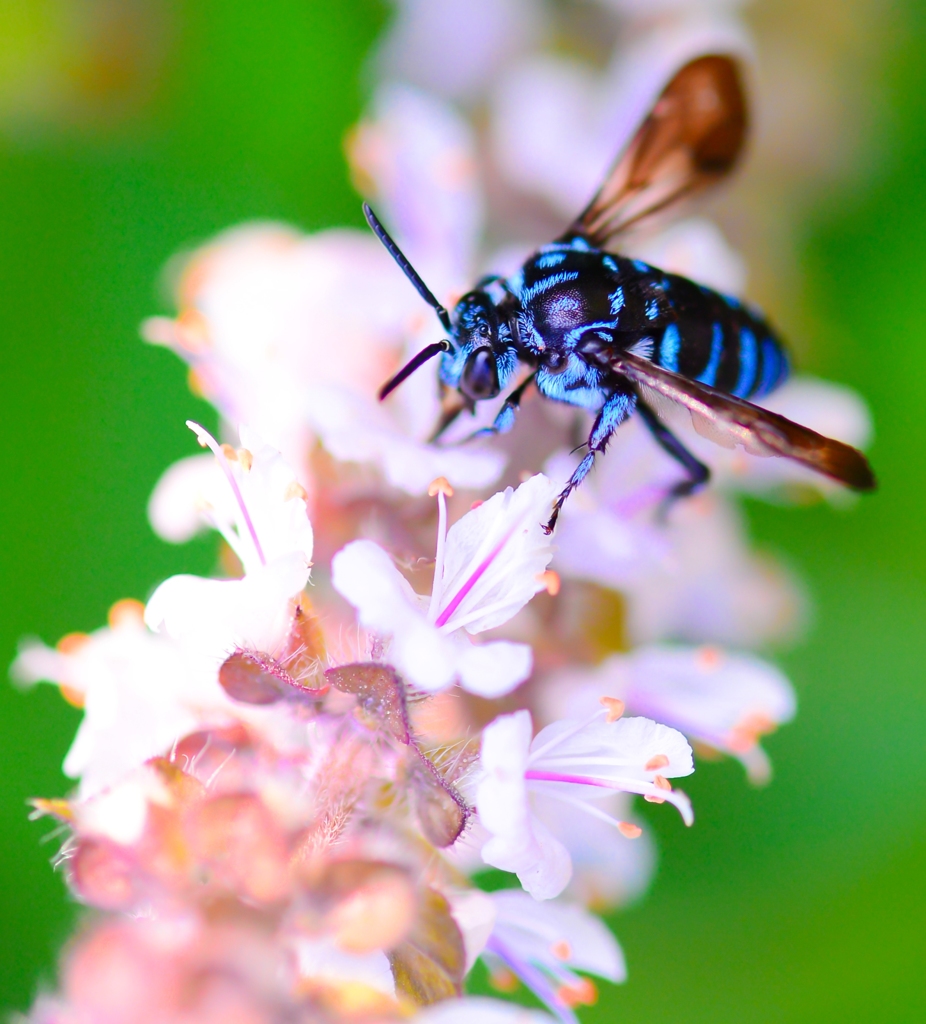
(544, 944)
(723, 700)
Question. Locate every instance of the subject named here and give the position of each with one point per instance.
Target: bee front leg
(613, 413)
(504, 421)
(697, 473)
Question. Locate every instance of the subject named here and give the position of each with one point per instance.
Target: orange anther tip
(295, 490)
(657, 762)
(126, 612)
(629, 830)
(440, 486)
(662, 782)
(615, 707)
(550, 581)
(73, 697)
(71, 643)
(245, 458)
(583, 993)
(476, 504)
(229, 453)
(709, 658)
(561, 950)
(503, 980)
(650, 799)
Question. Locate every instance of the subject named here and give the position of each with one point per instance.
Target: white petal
(629, 743)
(532, 928)
(426, 657)
(354, 427)
(322, 960)
(520, 843)
(495, 555)
(491, 669)
(364, 573)
(454, 49)
(609, 870)
(723, 699)
(422, 156)
(175, 507)
(474, 913)
(215, 616)
(479, 1010)
(141, 694)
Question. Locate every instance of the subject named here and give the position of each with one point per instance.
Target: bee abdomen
(718, 342)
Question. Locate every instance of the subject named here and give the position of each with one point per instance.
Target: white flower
(294, 334)
(479, 1010)
(488, 566)
(454, 49)
(418, 159)
(261, 513)
(267, 315)
(556, 126)
(714, 588)
(140, 694)
(322, 960)
(577, 762)
(723, 700)
(692, 577)
(609, 869)
(544, 944)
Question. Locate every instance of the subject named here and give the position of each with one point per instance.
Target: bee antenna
(409, 368)
(396, 253)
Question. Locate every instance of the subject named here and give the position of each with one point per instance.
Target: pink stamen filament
(627, 786)
(582, 780)
(473, 579)
(206, 438)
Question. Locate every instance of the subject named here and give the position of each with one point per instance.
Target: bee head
(477, 363)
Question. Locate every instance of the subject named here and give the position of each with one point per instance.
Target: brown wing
(730, 421)
(691, 139)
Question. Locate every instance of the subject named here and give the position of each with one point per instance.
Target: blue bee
(614, 335)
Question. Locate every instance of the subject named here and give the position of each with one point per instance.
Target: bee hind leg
(697, 473)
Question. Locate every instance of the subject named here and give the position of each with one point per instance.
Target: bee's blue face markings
(477, 326)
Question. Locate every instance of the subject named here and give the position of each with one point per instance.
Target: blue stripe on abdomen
(771, 367)
(749, 363)
(668, 348)
(709, 374)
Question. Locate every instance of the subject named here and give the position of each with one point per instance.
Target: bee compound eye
(480, 375)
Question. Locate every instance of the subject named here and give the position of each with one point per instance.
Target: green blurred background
(164, 123)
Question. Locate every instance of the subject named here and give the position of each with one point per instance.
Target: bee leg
(698, 473)
(613, 413)
(504, 421)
